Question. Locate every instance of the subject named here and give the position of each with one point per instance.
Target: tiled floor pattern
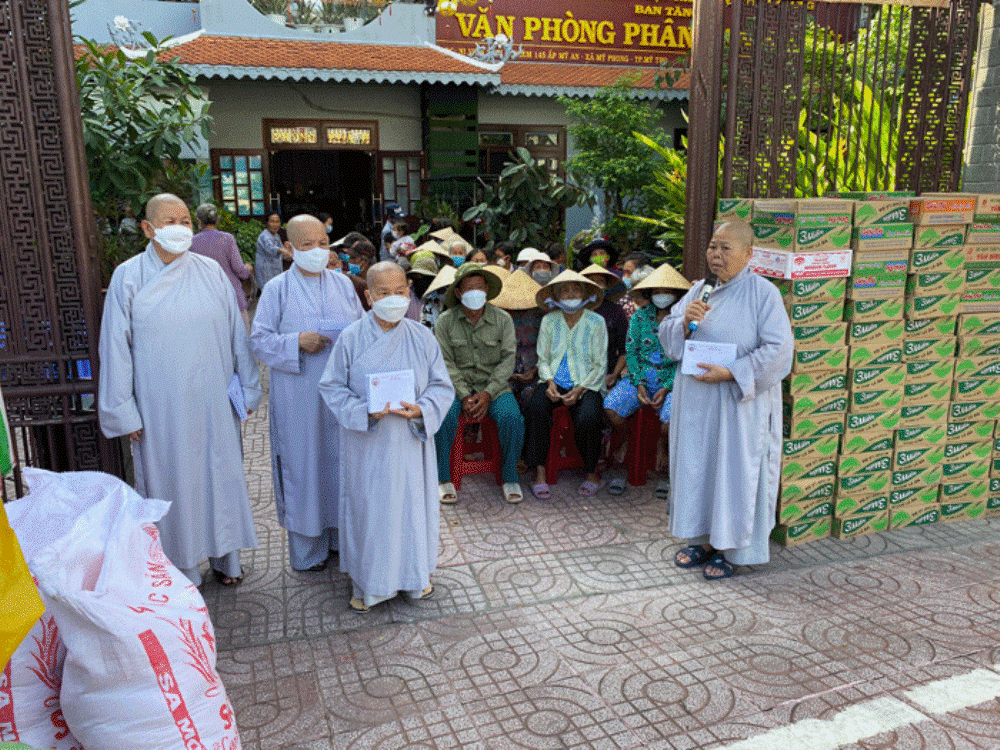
(565, 625)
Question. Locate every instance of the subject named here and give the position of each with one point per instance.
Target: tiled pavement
(564, 624)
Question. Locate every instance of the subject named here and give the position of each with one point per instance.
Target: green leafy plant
(526, 205)
(607, 161)
(271, 7)
(246, 232)
(138, 113)
(668, 201)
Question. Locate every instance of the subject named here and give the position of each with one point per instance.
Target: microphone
(710, 281)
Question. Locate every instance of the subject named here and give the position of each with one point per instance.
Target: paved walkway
(565, 624)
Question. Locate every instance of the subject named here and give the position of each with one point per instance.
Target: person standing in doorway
(270, 251)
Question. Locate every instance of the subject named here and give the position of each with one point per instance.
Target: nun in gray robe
(172, 338)
(389, 507)
(304, 433)
(725, 431)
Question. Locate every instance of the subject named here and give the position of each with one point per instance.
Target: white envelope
(707, 352)
(390, 388)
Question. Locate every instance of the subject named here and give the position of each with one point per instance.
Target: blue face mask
(356, 270)
(459, 260)
(345, 257)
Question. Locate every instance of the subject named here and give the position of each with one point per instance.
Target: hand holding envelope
(708, 361)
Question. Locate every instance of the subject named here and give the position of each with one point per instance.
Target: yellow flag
(20, 605)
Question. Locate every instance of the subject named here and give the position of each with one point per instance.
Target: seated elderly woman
(518, 298)
(541, 268)
(614, 318)
(650, 372)
(725, 442)
(572, 362)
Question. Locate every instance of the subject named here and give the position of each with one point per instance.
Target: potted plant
(353, 16)
(275, 10)
(331, 17)
(304, 14)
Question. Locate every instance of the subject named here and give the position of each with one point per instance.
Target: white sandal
(512, 492)
(447, 493)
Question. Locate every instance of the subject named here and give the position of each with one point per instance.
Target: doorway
(337, 182)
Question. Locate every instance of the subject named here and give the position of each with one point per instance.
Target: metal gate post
(703, 145)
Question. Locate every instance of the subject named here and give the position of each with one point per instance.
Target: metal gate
(793, 97)
(49, 283)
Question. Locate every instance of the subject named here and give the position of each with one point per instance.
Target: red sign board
(598, 32)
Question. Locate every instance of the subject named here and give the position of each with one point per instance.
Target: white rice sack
(140, 649)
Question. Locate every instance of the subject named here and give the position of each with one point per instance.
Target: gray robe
(304, 434)
(171, 338)
(725, 438)
(267, 260)
(389, 506)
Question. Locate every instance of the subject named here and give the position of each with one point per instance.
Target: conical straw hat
(595, 270)
(518, 292)
(499, 271)
(448, 235)
(545, 293)
(442, 281)
(435, 248)
(664, 277)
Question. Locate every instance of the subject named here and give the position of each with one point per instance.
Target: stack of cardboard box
(881, 240)
(891, 408)
(805, 247)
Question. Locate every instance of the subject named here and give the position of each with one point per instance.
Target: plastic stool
(461, 467)
(644, 434)
(562, 446)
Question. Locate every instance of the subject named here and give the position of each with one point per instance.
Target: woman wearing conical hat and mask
(650, 377)
(572, 362)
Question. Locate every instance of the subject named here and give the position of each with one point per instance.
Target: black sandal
(719, 562)
(227, 581)
(696, 555)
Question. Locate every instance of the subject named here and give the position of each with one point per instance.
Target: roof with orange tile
(216, 56)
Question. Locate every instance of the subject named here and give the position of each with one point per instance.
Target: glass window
(257, 186)
(496, 139)
(228, 189)
(225, 162)
(542, 139)
(255, 162)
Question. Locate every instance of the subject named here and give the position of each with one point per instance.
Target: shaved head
(159, 203)
(738, 231)
(384, 274)
(304, 226)
(730, 249)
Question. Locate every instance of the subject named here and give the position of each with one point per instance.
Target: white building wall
(982, 155)
(240, 107)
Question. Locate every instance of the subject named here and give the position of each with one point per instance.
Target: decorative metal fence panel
(816, 97)
(49, 290)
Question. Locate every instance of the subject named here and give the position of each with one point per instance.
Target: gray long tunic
(171, 339)
(304, 434)
(725, 438)
(389, 506)
(267, 259)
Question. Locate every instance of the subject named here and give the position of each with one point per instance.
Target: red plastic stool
(562, 446)
(644, 434)
(461, 467)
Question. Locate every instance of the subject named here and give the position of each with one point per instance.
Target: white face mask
(663, 300)
(569, 304)
(311, 261)
(543, 277)
(174, 238)
(474, 299)
(391, 309)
